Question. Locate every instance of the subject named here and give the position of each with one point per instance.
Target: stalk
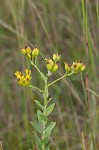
(45, 96)
(65, 75)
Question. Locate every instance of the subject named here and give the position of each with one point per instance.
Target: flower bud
(28, 50)
(29, 56)
(75, 67)
(55, 68)
(56, 57)
(67, 68)
(49, 67)
(50, 61)
(83, 67)
(23, 51)
(35, 52)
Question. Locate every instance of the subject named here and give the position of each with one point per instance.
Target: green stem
(42, 75)
(65, 75)
(33, 87)
(45, 95)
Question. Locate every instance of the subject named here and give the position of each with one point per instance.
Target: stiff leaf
(36, 126)
(45, 141)
(49, 100)
(48, 146)
(39, 104)
(38, 141)
(48, 130)
(41, 116)
(49, 109)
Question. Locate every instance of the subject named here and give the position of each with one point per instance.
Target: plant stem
(42, 75)
(65, 75)
(45, 96)
(33, 87)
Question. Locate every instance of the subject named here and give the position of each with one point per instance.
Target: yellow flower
(30, 53)
(55, 68)
(28, 50)
(23, 79)
(56, 57)
(35, 52)
(50, 61)
(29, 56)
(23, 51)
(27, 71)
(78, 66)
(51, 65)
(83, 66)
(67, 67)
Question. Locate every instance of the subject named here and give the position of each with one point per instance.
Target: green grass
(71, 29)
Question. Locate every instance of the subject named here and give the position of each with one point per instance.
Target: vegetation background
(68, 27)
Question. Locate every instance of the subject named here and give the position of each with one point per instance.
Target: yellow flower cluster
(52, 65)
(30, 53)
(23, 79)
(77, 66)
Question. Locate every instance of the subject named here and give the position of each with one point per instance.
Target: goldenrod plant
(43, 126)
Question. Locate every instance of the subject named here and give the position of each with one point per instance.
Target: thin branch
(36, 88)
(65, 75)
(42, 75)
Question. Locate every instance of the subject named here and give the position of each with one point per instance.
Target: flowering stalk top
(75, 67)
(52, 65)
(23, 79)
(30, 53)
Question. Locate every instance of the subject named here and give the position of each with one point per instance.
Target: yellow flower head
(78, 66)
(55, 68)
(23, 79)
(51, 65)
(35, 52)
(56, 57)
(50, 61)
(30, 53)
(23, 51)
(29, 56)
(28, 50)
(67, 67)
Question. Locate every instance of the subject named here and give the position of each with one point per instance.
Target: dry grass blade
(1, 147)
(94, 93)
(8, 27)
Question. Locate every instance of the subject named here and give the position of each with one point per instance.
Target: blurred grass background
(68, 27)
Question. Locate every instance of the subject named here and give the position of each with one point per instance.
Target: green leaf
(49, 100)
(48, 130)
(49, 109)
(48, 146)
(36, 126)
(45, 141)
(38, 141)
(39, 104)
(41, 116)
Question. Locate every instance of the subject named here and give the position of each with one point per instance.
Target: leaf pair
(48, 110)
(39, 143)
(48, 129)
